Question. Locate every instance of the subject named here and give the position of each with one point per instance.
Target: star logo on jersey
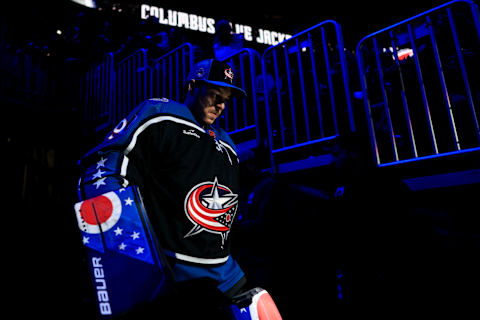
(211, 207)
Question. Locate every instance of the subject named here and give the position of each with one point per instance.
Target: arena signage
(205, 24)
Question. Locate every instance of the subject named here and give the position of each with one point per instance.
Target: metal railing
(131, 83)
(113, 90)
(30, 76)
(98, 95)
(421, 85)
(240, 118)
(420, 89)
(169, 72)
(306, 89)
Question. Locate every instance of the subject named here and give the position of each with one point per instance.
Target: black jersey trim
(161, 118)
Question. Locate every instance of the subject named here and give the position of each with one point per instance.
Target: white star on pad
(100, 182)
(135, 235)
(122, 246)
(139, 250)
(98, 174)
(86, 240)
(215, 201)
(128, 201)
(118, 231)
(101, 163)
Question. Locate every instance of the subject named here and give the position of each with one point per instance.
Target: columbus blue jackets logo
(211, 207)
(229, 75)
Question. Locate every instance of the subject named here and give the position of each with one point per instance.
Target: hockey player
(186, 171)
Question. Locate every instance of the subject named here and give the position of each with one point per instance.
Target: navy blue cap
(217, 73)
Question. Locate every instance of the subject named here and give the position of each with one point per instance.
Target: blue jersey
(187, 175)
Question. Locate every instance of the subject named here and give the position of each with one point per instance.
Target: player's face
(211, 103)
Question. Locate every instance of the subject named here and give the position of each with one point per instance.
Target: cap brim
(236, 91)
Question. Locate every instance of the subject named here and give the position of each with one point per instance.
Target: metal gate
(169, 72)
(131, 77)
(99, 95)
(421, 85)
(306, 94)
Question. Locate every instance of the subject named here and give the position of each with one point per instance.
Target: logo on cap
(229, 75)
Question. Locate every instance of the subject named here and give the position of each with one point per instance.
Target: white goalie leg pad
(255, 304)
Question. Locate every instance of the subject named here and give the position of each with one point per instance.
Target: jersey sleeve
(103, 175)
(115, 163)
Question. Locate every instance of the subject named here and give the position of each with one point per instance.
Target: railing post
(426, 120)
(292, 113)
